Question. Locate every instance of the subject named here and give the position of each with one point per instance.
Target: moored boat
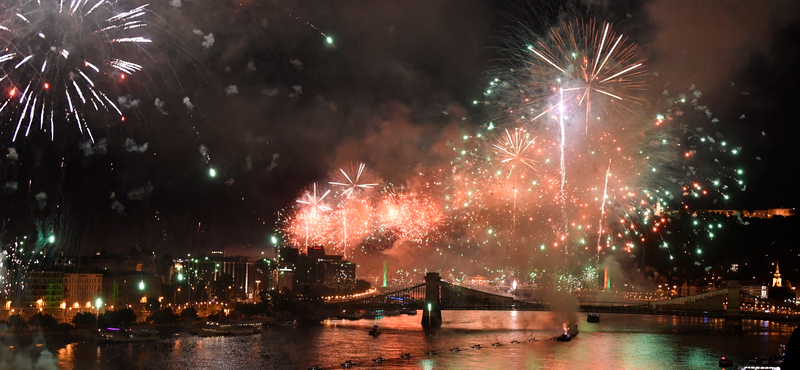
(409, 310)
(115, 334)
(286, 323)
(214, 328)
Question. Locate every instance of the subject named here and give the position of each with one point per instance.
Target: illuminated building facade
(776, 279)
(206, 269)
(44, 290)
(81, 290)
(314, 269)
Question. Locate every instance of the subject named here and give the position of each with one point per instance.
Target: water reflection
(618, 341)
(65, 356)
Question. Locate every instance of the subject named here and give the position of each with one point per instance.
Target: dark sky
(377, 95)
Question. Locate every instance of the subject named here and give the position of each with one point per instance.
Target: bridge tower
(733, 315)
(432, 312)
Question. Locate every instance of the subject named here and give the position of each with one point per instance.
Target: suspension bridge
(435, 295)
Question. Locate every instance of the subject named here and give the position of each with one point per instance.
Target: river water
(617, 342)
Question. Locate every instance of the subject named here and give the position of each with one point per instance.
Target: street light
(51, 239)
(141, 284)
(98, 303)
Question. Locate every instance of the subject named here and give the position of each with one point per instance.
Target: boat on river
(286, 323)
(375, 331)
(569, 334)
(214, 328)
(409, 310)
(114, 334)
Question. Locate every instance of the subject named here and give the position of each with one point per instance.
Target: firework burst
(312, 214)
(354, 178)
(594, 67)
(60, 57)
(514, 151)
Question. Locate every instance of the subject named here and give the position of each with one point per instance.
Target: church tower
(776, 280)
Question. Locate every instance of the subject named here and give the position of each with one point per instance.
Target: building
(202, 271)
(102, 262)
(81, 291)
(44, 290)
(314, 269)
(763, 213)
(758, 291)
(130, 289)
(776, 278)
(331, 271)
(769, 213)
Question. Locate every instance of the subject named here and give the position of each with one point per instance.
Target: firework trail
(351, 181)
(514, 151)
(603, 209)
(328, 39)
(60, 57)
(563, 167)
(314, 207)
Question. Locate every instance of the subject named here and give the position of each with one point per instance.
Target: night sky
(276, 108)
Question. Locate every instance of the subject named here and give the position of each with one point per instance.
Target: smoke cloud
(708, 42)
(130, 146)
(188, 103)
(208, 41)
(231, 90)
(128, 101)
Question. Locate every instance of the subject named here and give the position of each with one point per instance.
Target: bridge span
(436, 295)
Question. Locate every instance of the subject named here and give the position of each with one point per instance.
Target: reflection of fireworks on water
(59, 57)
